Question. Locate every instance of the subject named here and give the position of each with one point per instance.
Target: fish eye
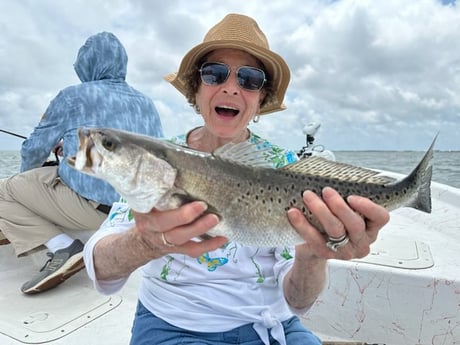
(108, 144)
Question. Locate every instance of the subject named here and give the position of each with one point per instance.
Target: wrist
(146, 248)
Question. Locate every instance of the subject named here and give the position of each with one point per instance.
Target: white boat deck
(407, 291)
(73, 313)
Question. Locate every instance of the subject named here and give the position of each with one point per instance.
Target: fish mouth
(87, 158)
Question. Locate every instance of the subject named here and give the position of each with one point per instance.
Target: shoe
(3, 239)
(62, 265)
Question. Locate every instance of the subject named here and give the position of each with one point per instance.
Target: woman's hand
(173, 231)
(358, 218)
(154, 235)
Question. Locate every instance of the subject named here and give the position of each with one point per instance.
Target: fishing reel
(310, 130)
(310, 149)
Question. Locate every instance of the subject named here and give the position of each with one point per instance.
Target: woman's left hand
(358, 218)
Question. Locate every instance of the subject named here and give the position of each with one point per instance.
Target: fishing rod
(47, 163)
(11, 133)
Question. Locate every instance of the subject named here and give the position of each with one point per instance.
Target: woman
(215, 291)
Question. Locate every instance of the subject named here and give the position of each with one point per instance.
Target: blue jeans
(151, 330)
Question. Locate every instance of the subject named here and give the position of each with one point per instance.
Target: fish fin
(179, 147)
(245, 153)
(184, 198)
(177, 197)
(326, 168)
(205, 237)
(172, 199)
(422, 173)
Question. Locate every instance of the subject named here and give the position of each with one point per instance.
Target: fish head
(99, 152)
(87, 158)
(119, 158)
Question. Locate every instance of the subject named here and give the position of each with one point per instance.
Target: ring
(335, 243)
(165, 241)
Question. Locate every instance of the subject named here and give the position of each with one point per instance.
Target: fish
(250, 197)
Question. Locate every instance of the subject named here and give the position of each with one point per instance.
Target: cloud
(375, 74)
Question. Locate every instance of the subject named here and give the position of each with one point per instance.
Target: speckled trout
(250, 197)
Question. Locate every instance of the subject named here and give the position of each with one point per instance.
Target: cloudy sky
(381, 75)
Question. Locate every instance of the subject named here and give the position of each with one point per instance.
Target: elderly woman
(214, 291)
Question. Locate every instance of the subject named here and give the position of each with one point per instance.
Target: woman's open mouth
(227, 111)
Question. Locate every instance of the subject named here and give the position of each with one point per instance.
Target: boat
(405, 292)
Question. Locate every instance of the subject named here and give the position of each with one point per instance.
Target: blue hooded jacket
(103, 99)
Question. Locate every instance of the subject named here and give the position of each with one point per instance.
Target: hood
(101, 57)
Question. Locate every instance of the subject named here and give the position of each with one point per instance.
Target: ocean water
(446, 164)
(10, 162)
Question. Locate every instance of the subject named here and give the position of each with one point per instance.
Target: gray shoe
(61, 265)
(3, 239)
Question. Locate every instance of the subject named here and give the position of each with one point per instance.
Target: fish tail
(422, 175)
(423, 201)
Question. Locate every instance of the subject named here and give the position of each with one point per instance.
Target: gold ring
(335, 243)
(165, 241)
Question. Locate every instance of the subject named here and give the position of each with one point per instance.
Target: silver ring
(335, 243)
(165, 241)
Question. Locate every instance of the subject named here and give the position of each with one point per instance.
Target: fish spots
(291, 176)
(244, 199)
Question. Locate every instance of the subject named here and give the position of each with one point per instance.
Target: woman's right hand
(173, 231)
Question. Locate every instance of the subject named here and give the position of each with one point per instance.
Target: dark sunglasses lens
(213, 73)
(250, 78)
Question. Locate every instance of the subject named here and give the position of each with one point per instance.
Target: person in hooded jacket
(41, 205)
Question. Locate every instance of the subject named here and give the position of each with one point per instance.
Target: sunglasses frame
(238, 78)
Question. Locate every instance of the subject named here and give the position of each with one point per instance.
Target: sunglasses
(248, 78)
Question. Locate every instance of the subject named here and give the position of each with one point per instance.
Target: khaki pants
(36, 205)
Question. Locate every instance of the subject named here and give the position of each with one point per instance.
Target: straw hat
(239, 32)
